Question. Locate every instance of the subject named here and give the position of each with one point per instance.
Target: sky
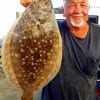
(8, 9)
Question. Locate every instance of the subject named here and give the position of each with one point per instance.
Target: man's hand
(25, 3)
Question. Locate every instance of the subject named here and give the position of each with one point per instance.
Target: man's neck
(80, 32)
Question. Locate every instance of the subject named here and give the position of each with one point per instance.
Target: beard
(77, 25)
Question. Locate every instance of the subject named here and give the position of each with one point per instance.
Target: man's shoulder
(61, 21)
(95, 29)
(62, 26)
(97, 26)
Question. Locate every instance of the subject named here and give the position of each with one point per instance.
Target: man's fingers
(25, 3)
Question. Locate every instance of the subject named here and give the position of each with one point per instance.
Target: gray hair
(67, 0)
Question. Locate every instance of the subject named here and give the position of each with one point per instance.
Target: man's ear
(62, 8)
(89, 7)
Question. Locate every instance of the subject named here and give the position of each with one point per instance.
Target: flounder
(32, 49)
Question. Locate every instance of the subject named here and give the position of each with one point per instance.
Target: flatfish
(32, 49)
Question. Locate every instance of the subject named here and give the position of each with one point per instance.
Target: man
(77, 77)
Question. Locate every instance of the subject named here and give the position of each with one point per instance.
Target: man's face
(76, 12)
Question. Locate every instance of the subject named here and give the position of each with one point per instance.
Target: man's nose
(78, 8)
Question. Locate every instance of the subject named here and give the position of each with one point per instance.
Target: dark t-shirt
(76, 79)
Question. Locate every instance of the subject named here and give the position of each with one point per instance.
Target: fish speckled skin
(32, 49)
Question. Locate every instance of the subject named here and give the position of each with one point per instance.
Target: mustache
(78, 15)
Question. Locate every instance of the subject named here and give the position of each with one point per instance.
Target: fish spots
(21, 50)
(33, 48)
(33, 55)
